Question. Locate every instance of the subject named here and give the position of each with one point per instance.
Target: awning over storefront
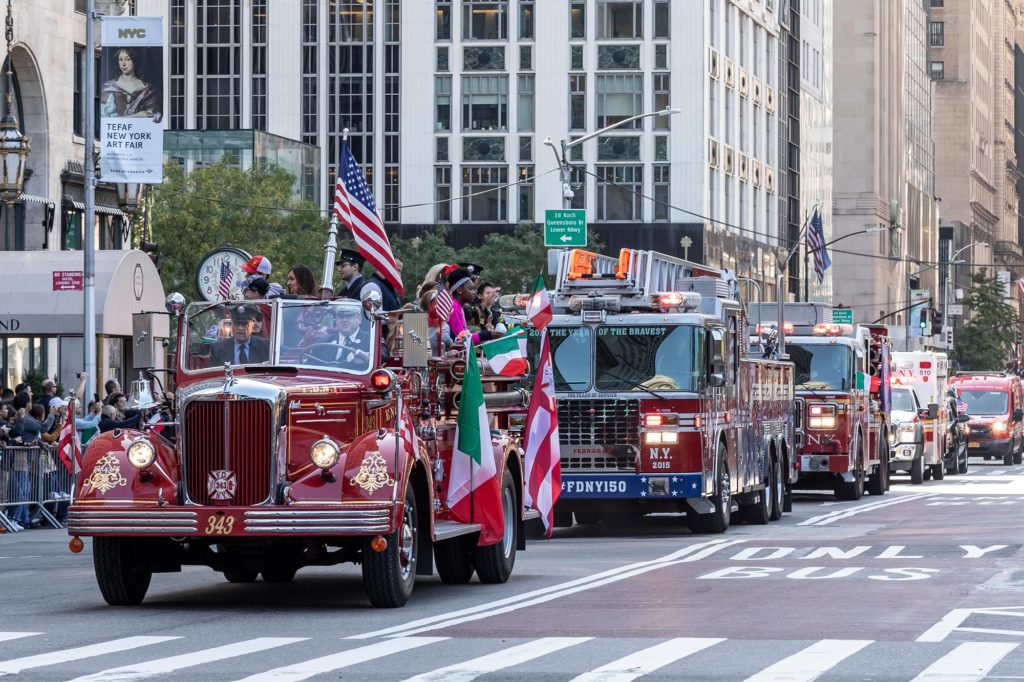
(41, 293)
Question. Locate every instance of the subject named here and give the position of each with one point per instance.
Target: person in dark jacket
(109, 420)
(350, 270)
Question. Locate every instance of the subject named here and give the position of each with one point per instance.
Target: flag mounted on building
(355, 209)
(507, 355)
(816, 243)
(543, 464)
(539, 307)
(474, 483)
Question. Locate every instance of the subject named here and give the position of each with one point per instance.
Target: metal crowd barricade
(33, 482)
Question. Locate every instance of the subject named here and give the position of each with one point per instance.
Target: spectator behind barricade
(31, 425)
(300, 281)
(112, 387)
(23, 388)
(49, 393)
(120, 404)
(7, 395)
(88, 425)
(58, 414)
(6, 425)
(109, 420)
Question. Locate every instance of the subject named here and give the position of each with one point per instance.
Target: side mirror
(371, 300)
(175, 303)
(1018, 414)
(716, 380)
(963, 419)
(933, 410)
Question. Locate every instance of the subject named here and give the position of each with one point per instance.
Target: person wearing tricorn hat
(242, 348)
(350, 269)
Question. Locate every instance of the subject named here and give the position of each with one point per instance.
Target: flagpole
(331, 249)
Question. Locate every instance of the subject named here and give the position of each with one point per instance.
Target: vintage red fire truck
(842, 398)
(313, 449)
(660, 409)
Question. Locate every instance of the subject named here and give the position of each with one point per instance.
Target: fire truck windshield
(821, 367)
(647, 358)
(570, 356)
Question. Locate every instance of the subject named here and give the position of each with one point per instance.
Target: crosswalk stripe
(161, 666)
(16, 665)
(806, 665)
(648, 660)
(344, 659)
(7, 636)
(506, 658)
(969, 661)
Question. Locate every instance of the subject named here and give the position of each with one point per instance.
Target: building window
(485, 194)
(936, 33)
(938, 3)
(441, 153)
(526, 102)
(78, 121)
(575, 153)
(525, 194)
(310, 62)
(259, 64)
(483, 148)
(351, 94)
(443, 102)
(662, 18)
(619, 97)
(526, 58)
(661, 56)
(662, 100)
(177, 75)
(618, 190)
(526, 148)
(662, 199)
(443, 194)
(483, 20)
(577, 101)
(526, 19)
(218, 65)
(620, 19)
(391, 195)
(442, 58)
(484, 102)
(576, 57)
(578, 180)
(937, 70)
(578, 19)
(443, 29)
(661, 148)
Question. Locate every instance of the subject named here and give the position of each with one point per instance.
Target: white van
(926, 374)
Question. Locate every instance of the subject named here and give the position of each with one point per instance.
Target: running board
(446, 530)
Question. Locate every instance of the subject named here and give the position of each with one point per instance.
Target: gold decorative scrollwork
(106, 475)
(373, 473)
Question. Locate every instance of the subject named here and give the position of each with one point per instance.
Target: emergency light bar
(687, 300)
(823, 329)
(610, 303)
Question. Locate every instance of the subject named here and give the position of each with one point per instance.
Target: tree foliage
(987, 341)
(219, 204)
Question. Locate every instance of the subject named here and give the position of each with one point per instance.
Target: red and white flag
(543, 464)
(69, 450)
(355, 208)
(539, 307)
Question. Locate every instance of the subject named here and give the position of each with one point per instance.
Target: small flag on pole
(539, 307)
(68, 448)
(543, 463)
(226, 277)
(507, 355)
(816, 244)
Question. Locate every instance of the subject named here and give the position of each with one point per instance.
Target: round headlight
(324, 453)
(141, 454)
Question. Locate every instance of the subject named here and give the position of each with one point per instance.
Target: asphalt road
(925, 583)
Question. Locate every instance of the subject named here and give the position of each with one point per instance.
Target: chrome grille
(599, 422)
(623, 459)
(233, 435)
(980, 431)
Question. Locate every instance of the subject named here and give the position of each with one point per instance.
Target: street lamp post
(949, 273)
(14, 146)
(563, 160)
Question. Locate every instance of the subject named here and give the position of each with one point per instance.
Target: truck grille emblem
(221, 484)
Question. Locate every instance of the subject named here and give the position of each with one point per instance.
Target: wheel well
(421, 487)
(514, 462)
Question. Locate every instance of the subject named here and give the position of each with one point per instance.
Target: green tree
(221, 204)
(987, 341)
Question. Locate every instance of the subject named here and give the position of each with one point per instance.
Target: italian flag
(507, 355)
(539, 307)
(474, 483)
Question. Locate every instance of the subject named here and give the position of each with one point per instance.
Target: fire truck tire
(718, 520)
(852, 490)
(494, 563)
(961, 467)
(917, 470)
(389, 576)
(454, 560)
(878, 482)
(1018, 457)
(122, 573)
(939, 471)
(778, 491)
(241, 576)
(1008, 456)
(279, 577)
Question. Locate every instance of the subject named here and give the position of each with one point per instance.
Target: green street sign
(565, 227)
(842, 315)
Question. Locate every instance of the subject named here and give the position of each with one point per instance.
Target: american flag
(355, 208)
(816, 244)
(443, 303)
(225, 280)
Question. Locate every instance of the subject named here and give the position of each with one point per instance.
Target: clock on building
(219, 272)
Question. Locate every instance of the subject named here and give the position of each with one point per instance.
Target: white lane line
(648, 660)
(161, 666)
(968, 662)
(946, 625)
(998, 472)
(825, 519)
(506, 658)
(698, 551)
(16, 665)
(807, 665)
(489, 610)
(343, 659)
(8, 636)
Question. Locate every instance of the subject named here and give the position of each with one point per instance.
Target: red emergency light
(925, 364)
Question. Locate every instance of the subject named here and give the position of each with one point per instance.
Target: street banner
(131, 99)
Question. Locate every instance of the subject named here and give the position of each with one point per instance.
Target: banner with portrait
(131, 96)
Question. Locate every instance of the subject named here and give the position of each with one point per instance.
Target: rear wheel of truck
(454, 559)
(760, 512)
(1017, 456)
(852, 490)
(1008, 456)
(389, 576)
(244, 576)
(939, 471)
(961, 467)
(122, 571)
(778, 491)
(878, 482)
(718, 520)
(917, 469)
(494, 563)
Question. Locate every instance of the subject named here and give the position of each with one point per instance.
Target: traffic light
(936, 322)
(923, 323)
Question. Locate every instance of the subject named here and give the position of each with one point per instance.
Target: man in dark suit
(242, 348)
(350, 341)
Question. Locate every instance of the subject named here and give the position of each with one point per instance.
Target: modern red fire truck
(314, 448)
(842, 398)
(660, 409)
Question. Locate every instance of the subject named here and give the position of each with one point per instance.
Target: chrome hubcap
(407, 543)
(508, 504)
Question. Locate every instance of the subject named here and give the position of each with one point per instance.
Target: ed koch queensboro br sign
(565, 227)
